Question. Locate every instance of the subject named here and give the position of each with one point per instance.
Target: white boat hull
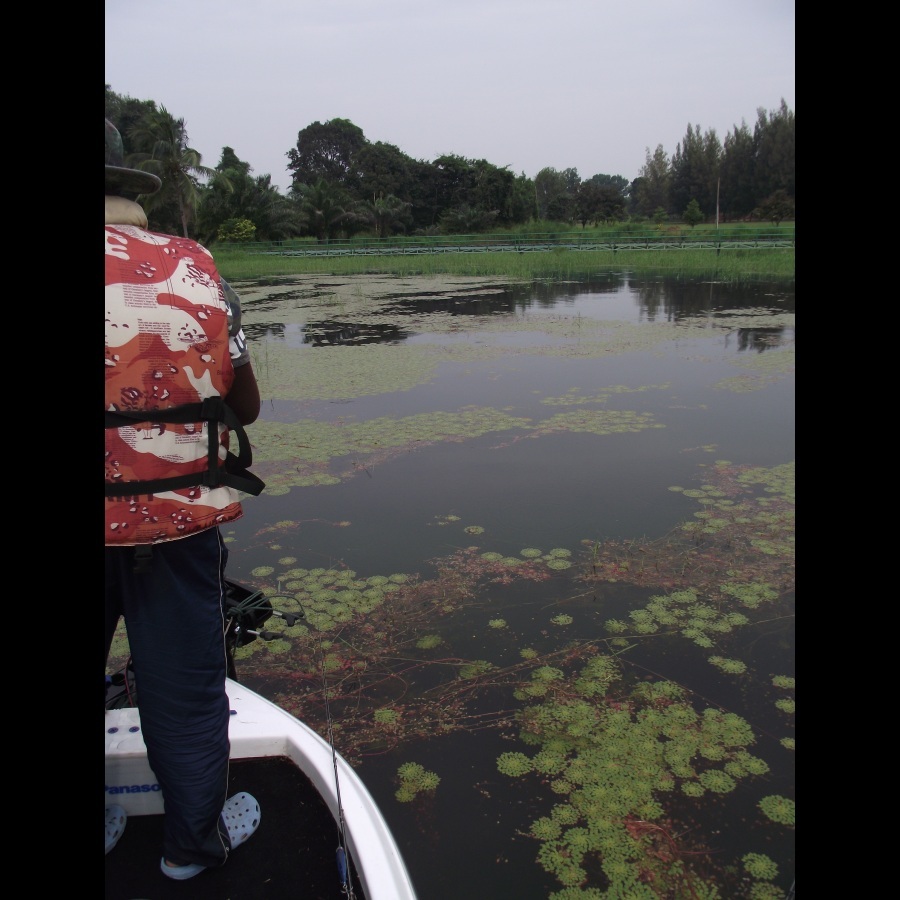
(259, 728)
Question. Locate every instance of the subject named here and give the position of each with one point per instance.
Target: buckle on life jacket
(212, 410)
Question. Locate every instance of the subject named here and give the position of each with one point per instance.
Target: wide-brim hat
(118, 177)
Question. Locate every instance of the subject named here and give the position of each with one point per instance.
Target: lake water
(542, 536)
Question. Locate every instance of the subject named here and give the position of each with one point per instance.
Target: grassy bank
(561, 264)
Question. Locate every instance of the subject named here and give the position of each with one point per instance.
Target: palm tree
(325, 209)
(275, 216)
(163, 150)
(386, 213)
(255, 199)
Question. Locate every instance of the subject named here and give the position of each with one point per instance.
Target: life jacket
(169, 470)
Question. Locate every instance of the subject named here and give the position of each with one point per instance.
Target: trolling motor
(246, 612)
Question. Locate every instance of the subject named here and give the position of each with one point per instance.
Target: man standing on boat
(179, 389)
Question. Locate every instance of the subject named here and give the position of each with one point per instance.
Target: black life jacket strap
(212, 411)
(143, 557)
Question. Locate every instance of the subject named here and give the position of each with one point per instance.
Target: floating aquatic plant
(547, 673)
(597, 676)
(731, 666)
(534, 689)
(446, 520)
(473, 529)
(513, 764)
(565, 813)
(562, 619)
(699, 638)
(788, 743)
(332, 661)
(473, 669)
(415, 779)
(558, 564)
(751, 595)
(764, 890)
(556, 858)
(530, 552)
(786, 705)
(609, 759)
(718, 781)
(641, 617)
(778, 809)
(386, 716)
(546, 829)
(760, 866)
(783, 681)
(428, 641)
(745, 763)
(497, 623)
(626, 748)
(549, 762)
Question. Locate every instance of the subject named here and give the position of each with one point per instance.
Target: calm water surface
(475, 490)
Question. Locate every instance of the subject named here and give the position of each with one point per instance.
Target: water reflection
(617, 297)
(760, 339)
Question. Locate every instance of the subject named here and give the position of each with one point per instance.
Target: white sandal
(241, 817)
(115, 825)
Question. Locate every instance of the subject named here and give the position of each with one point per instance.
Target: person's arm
(244, 397)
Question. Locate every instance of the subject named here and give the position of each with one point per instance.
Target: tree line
(343, 184)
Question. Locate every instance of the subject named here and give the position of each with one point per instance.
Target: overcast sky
(583, 84)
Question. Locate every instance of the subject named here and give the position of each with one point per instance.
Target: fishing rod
(342, 860)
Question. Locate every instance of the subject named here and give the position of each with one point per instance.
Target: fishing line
(248, 613)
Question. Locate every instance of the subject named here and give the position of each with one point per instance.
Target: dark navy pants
(176, 634)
